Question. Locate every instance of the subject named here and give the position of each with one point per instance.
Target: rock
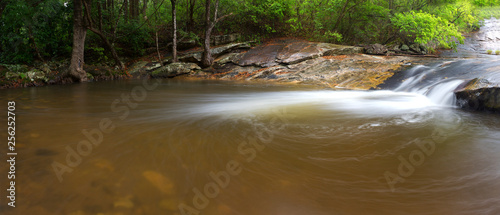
(174, 69)
(290, 51)
(124, 202)
(376, 49)
(405, 48)
(360, 72)
(36, 74)
(162, 183)
(137, 67)
(190, 57)
(11, 75)
(195, 57)
(225, 39)
(226, 58)
(334, 49)
(187, 44)
(479, 95)
(152, 66)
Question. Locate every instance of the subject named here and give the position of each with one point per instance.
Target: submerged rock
(479, 95)
(162, 183)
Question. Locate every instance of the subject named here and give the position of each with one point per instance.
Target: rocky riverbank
(285, 60)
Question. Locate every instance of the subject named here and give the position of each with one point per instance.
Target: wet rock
(479, 95)
(376, 49)
(162, 183)
(174, 69)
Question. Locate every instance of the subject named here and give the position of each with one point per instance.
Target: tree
(207, 59)
(98, 31)
(174, 33)
(79, 33)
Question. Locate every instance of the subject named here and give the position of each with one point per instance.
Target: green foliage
(489, 51)
(488, 12)
(25, 27)
(486, 2)
(135, 35)
(497, 52)
(425, 28)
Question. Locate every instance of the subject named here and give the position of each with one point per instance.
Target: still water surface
(250, 149)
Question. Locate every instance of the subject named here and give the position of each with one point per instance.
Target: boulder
(36, 74)
(479, 95)
(195, 57)
(225, 39)
(376, 49)
(152, 66)
(174, 69)
(405, 48)
(137, 67)
(291, 51)
(11, 75)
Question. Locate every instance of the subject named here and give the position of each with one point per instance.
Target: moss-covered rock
(174, 69)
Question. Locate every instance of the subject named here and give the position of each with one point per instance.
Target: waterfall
(431, 82)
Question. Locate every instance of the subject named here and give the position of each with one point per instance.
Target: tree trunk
(79, 33)
(190, 10)
(91, 27)
(144, 7)
(174, 22)
(125, 10)
(341, 15)
(207, 59)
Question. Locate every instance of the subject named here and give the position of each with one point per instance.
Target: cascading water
(428, 81)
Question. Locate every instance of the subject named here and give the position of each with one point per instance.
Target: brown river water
(224, 148)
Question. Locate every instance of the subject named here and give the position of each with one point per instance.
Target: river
(213, 147)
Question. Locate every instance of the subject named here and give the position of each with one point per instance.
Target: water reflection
(312, 152)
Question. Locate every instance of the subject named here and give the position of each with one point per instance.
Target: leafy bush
(486, 2)
(427, 29)
(489, 51)
(25, 27)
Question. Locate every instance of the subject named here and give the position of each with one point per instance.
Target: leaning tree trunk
(79, 33)
(174, 22)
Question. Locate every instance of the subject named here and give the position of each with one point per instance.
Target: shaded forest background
(42, 30)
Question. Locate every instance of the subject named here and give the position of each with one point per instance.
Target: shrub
(497, 52)
(427, 29)
(489, 51)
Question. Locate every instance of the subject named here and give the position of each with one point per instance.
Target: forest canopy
(42, 30)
